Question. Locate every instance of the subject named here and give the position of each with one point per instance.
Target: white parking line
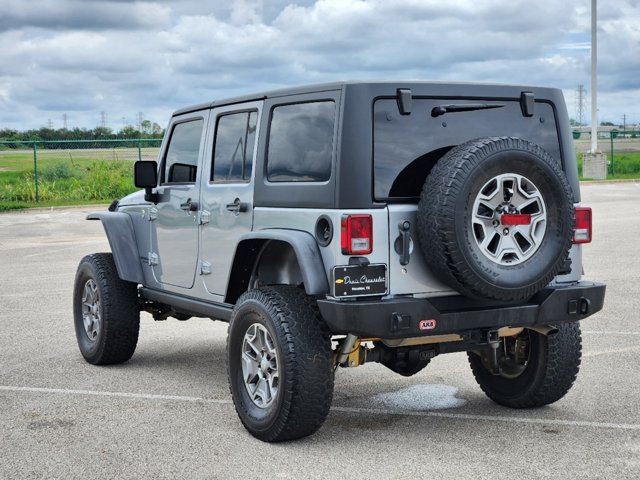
(594, 332)
(609, 352)
(492, 418)
(144, 396)
(367, 411)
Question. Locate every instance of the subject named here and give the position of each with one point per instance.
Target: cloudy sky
(84, 57)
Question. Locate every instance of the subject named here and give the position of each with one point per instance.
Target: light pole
(594, 77)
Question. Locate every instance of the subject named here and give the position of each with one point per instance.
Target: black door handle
(189, 206)
(237, 206)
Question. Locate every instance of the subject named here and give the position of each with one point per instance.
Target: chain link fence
(70, 170)
(621, 147)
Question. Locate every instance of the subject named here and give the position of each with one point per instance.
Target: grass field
(99, 176)
(76, 179)
(625, 166)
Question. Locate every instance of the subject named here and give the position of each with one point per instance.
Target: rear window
(301, 140)
(407, 146)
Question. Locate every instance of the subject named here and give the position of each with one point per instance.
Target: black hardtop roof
(467, 89)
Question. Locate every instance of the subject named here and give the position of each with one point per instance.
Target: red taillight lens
(357, 234)
(582, 233)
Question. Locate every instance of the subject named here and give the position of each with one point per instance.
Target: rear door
(227, 190)
(174, 231)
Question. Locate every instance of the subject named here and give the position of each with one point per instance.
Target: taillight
(582, 233)
(357, 234)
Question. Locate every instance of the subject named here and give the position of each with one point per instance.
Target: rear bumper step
(410, 317)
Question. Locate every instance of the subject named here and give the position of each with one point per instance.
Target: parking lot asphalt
(167, 413)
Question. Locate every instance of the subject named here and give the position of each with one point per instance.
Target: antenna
(103, 119)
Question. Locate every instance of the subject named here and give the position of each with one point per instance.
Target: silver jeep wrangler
(334, 225)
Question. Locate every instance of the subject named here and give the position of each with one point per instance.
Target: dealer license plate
(359, 280)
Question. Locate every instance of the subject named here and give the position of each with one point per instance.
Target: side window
(181, 161)
(233, 151)
(301, 142)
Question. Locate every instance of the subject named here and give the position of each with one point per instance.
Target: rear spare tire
(495, 218)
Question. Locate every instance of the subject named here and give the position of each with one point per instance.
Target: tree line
(147, 129)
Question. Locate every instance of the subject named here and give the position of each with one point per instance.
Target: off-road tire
(445, 215)
(554, 362)
(119, 311)
(304, 363)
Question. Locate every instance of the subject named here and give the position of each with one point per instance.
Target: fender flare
(307, 252)
(122, 240)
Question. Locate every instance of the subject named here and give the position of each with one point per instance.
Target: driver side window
(181, 160)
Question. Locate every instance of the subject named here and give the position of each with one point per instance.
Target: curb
(95, 206)
(622, 180)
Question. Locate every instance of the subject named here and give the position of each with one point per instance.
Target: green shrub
(59, 170)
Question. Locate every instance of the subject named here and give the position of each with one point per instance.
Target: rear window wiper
(466, 107)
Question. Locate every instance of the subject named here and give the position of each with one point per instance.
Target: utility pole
(580, 103)
(103, 119)
(594, 76)
(594, 163)
(140, 122)
(624, 125)
(49, 124)
(65, 118)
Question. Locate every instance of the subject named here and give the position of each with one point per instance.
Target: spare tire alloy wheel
(509, 219)
(496, 218)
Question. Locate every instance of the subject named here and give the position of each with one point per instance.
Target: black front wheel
(106, 311)
(279, 363)
(535, 369)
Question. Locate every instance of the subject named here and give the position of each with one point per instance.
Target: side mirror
(145, 175)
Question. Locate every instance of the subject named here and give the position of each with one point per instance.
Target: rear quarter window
(301, 138)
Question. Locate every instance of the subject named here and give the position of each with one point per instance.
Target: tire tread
(120, 311)
(437, 216)
(306, 353)
(556, 372)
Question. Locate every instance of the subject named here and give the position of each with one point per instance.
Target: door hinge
(153, 259)
(153, 214)
(205, 217)
(205, 268)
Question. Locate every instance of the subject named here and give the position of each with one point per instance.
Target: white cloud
(83, 57)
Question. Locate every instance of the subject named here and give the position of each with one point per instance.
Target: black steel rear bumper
(410, 317)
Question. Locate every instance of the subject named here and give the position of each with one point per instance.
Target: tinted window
(181, 161)
(233, 152)
(301, 142)
(406, 146)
